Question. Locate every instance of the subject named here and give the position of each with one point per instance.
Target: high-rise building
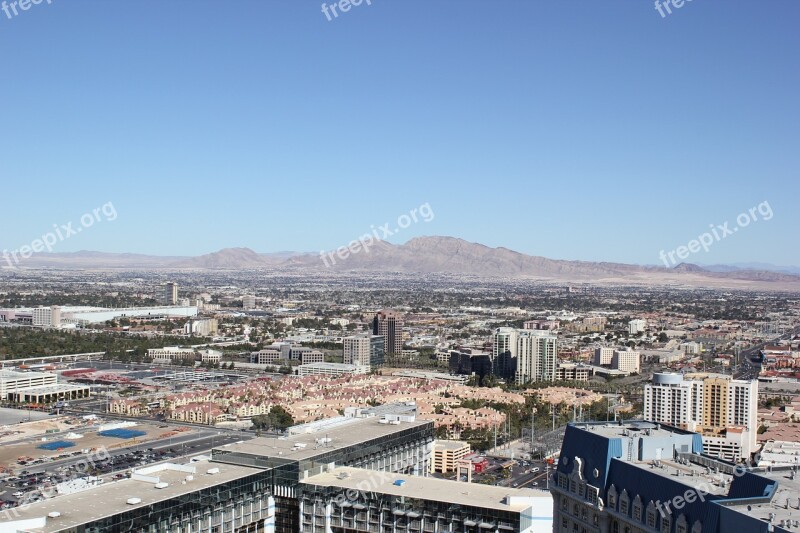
(364, 350)
(389, 324)
(249, 301)
(524, 355)
(536, 357)
(636, 326)
(356, 350)
(626, 360)
(603, 355)
(170, 296)
(723, 409)
(643, 477)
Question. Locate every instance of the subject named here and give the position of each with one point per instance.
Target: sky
(571, 129)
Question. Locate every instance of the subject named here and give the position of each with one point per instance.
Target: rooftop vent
(162, 485)
(399, 482)
(212, 471)
(54, 514)
(134, 501)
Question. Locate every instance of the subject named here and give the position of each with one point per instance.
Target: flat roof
(111, 498)
(13, 374)
(54, 388)
(428, 488)
(450, 445)
(306, 445)
(788, 491)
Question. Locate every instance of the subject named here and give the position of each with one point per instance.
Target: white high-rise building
(723, 409)
(536, 356)
(524, 355)
(47, 316)
(249, 301)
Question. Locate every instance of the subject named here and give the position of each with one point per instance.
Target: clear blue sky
(591, 129)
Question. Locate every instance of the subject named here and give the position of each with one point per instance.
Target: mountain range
(435, 255)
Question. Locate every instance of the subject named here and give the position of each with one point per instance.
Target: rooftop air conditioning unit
(134, 501)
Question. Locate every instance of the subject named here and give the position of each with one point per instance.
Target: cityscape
(408, 268)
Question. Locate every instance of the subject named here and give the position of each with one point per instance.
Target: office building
(202, 327)
(626, 360)
(268, 356)
(723, 409)
(356, 500)
(49, 317)
(169, 296)
(248, 302)
(637, 326)
(356, 350)
(572, 372)
(389, 324)
(172, 353)
(644, 477)
(603, 355)
(447, 454)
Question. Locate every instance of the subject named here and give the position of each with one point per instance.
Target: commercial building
(447, 454)
(603, 355)
(353, 500)
(389, 324)
(643, 477)
(331, 369)
(203, 327)
(470, 362)
(365, 350)
(172, 353)
(572, 372)
(723, 409)
(267, 356)
(356, 350)
(170, 294)
(524, 355)
(637, 326)
(47, 316)
(11, 381)
(249, 301)
(623, 359)
(49, 394)
(626, 360)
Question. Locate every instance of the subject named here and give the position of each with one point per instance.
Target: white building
(267, 356)
(626, 360)
(536, 356)
(171, 353)
(11, 381)
(723, 409)
(637, 326)
(249, 301)
(203, 327)
(357, 350)
(603, 355)
(47, 316)
(331, 369)
(170, 295)
(534, 353)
